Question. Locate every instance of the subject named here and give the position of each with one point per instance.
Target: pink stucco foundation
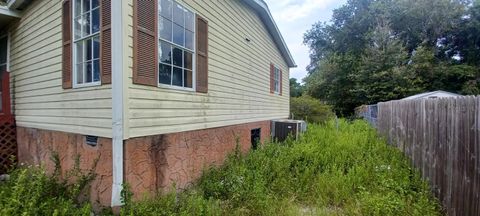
(152, 164)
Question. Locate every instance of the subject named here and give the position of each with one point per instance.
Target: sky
(294, 18)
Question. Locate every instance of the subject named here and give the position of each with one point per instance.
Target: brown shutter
(106, 41)
(145, 39)
(281, 82)
(202, 55)
(272, 80)
(67, 44)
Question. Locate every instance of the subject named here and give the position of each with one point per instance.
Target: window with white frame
(276, 80)
(176, 48)
(86, 49)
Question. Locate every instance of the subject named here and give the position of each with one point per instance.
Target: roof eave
(18, 4)
(262, 9)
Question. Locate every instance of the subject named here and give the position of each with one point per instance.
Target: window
(86, 48)
(3, 66)
(3, 53)
(176, 29)
(276, 80)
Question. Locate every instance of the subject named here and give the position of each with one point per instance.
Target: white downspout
(117, 101)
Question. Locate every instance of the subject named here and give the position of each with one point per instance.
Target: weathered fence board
(442, 139)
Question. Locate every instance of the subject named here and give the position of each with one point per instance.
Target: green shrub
(344, 170)
(31, 191)
(310, 109)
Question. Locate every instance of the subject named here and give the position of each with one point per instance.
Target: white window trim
(276, 79)
(194, 52)
(74, 49)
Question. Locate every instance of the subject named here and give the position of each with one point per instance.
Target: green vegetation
(296, 88)
(310, 109)
(30, 191)
(380, 50)
(336, 169)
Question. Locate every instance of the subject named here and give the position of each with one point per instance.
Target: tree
(378, 50)
(423, 22)
(296, 89)
(464, 41)
(345, 35)
(382, 74)
(433, 74)
(332, 82)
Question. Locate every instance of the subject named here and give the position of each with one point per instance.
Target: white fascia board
(4, 10)
(14, 4)
(262, 9)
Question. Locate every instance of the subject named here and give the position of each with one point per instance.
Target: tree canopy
(380, 50)
(296, 88)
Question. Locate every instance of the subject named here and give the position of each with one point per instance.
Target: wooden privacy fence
(442, 139)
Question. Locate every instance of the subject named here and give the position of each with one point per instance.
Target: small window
(176, 51)
(276, 80)
(86, 49)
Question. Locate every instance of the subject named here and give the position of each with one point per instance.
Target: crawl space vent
(91, 140)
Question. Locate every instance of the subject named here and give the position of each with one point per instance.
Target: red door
(8, 141)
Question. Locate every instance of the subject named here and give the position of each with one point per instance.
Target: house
(431, 95)
(155, 90)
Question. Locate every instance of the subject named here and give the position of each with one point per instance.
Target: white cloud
(294, 18)
(292, 10)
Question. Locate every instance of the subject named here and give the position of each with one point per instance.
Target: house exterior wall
(178, 133)
(37, 146)
(238, 82)
(167, 162)
(152, 164)
(39, 101)
(239, 90)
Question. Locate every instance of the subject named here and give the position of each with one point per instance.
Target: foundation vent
(91, 140)
(255, 136)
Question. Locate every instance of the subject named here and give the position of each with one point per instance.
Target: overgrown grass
(31, 191)
(335, 169)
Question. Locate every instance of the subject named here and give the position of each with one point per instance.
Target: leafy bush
(31, 191)
(347, 170)
(310, 109)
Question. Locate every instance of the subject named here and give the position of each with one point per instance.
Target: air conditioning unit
(283, 128)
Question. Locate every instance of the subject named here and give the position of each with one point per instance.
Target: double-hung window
(86, 48)
(276, 80)
(176, 47)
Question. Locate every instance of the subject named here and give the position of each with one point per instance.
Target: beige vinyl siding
(35, 65)
(239, 78)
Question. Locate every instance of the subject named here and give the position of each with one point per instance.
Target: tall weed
(343, 169)
(31, 191)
